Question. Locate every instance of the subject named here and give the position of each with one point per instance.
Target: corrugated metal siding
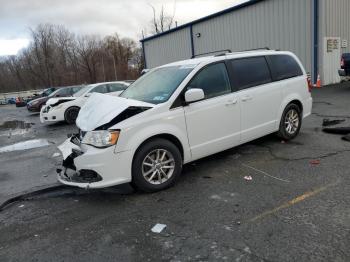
(278, 24)
(335, 20)
(168, 48)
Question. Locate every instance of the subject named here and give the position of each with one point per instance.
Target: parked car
(181, 112)
(345, 65)
(11, 100)
(36, 104)
(20, 102)
(67, 108)
(44, 93)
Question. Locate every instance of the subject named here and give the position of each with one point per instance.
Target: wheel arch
(172, 138)
(293, 99)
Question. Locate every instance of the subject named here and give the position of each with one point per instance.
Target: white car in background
(181, 112)
(67, 108)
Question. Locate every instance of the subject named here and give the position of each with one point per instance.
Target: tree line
(58, 57)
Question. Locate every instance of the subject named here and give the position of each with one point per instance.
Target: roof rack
(213, 52)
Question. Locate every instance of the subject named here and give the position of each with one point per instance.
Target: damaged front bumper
(89, 167)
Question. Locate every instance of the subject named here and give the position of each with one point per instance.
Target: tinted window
(249, 72)
(116, 87)
(64, 92)
(284, 66)
(100, 89)
(213, 80)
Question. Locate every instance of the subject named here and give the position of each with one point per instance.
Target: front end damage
(69, 173)
(89, 167)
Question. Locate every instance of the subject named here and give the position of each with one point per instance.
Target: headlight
(103, 138)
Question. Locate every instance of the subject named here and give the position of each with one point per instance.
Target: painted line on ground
(293, 202)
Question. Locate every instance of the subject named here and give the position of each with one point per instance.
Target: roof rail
(256, 49)
(224, 52)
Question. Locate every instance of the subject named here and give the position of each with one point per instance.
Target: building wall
(277, 24)
(334, 21)
(168, 48)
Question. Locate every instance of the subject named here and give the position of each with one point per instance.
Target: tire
(289, 128)
(148, 172)
(71, 114)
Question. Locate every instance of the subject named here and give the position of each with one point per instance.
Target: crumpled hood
(54, 100)
(100, 109)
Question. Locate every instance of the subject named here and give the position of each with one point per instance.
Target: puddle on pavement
(14, 127)
(30, 144)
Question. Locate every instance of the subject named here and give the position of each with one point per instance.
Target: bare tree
(162, 21)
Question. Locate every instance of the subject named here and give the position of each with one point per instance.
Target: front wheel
(71, 115)
(290, 122)
(156, 165)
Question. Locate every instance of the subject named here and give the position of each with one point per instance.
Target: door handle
(246, 98)
(231, 102)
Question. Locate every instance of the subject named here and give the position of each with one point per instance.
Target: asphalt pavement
(296, 207)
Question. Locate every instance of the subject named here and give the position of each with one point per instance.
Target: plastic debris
(20, 206)
(248, 178)
(346, 138)
(56, 155)
(337, 130)
(328, 122)
(315, 162)
(158, 228)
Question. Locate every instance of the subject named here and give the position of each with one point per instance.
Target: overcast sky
(127, 17)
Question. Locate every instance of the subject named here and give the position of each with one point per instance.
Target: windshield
(47, 92)
(82, 91)
(157, 85)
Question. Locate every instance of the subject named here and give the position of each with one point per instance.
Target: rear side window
(213, 79)
(250, 72)
(100, 89)
(284, 67)
(116, 87)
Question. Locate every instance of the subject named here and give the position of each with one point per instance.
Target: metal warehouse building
(317, 31)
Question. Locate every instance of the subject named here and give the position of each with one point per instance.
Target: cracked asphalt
(295, 208)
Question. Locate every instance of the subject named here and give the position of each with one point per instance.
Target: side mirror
(194, 94)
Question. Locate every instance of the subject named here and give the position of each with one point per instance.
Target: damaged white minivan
(180, 112)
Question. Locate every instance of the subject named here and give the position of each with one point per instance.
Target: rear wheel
(156, 165)
(71, 115)
(290, 122)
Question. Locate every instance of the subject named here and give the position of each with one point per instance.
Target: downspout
(192, 44)
(315, 39)
(144, 54)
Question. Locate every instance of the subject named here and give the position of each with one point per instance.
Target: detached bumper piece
(70, 173)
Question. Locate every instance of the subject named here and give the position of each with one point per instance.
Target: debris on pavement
(328, 122)
(248, 178)
(346, 138)
(20, 206)
(265, 174)
(56, 155)
(158, 228)
(315, 162)
(337, 130)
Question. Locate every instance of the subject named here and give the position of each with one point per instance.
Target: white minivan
(181, 112)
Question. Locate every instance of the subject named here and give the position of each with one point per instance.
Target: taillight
(308, 80)
(17, 99)
(342, 63)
